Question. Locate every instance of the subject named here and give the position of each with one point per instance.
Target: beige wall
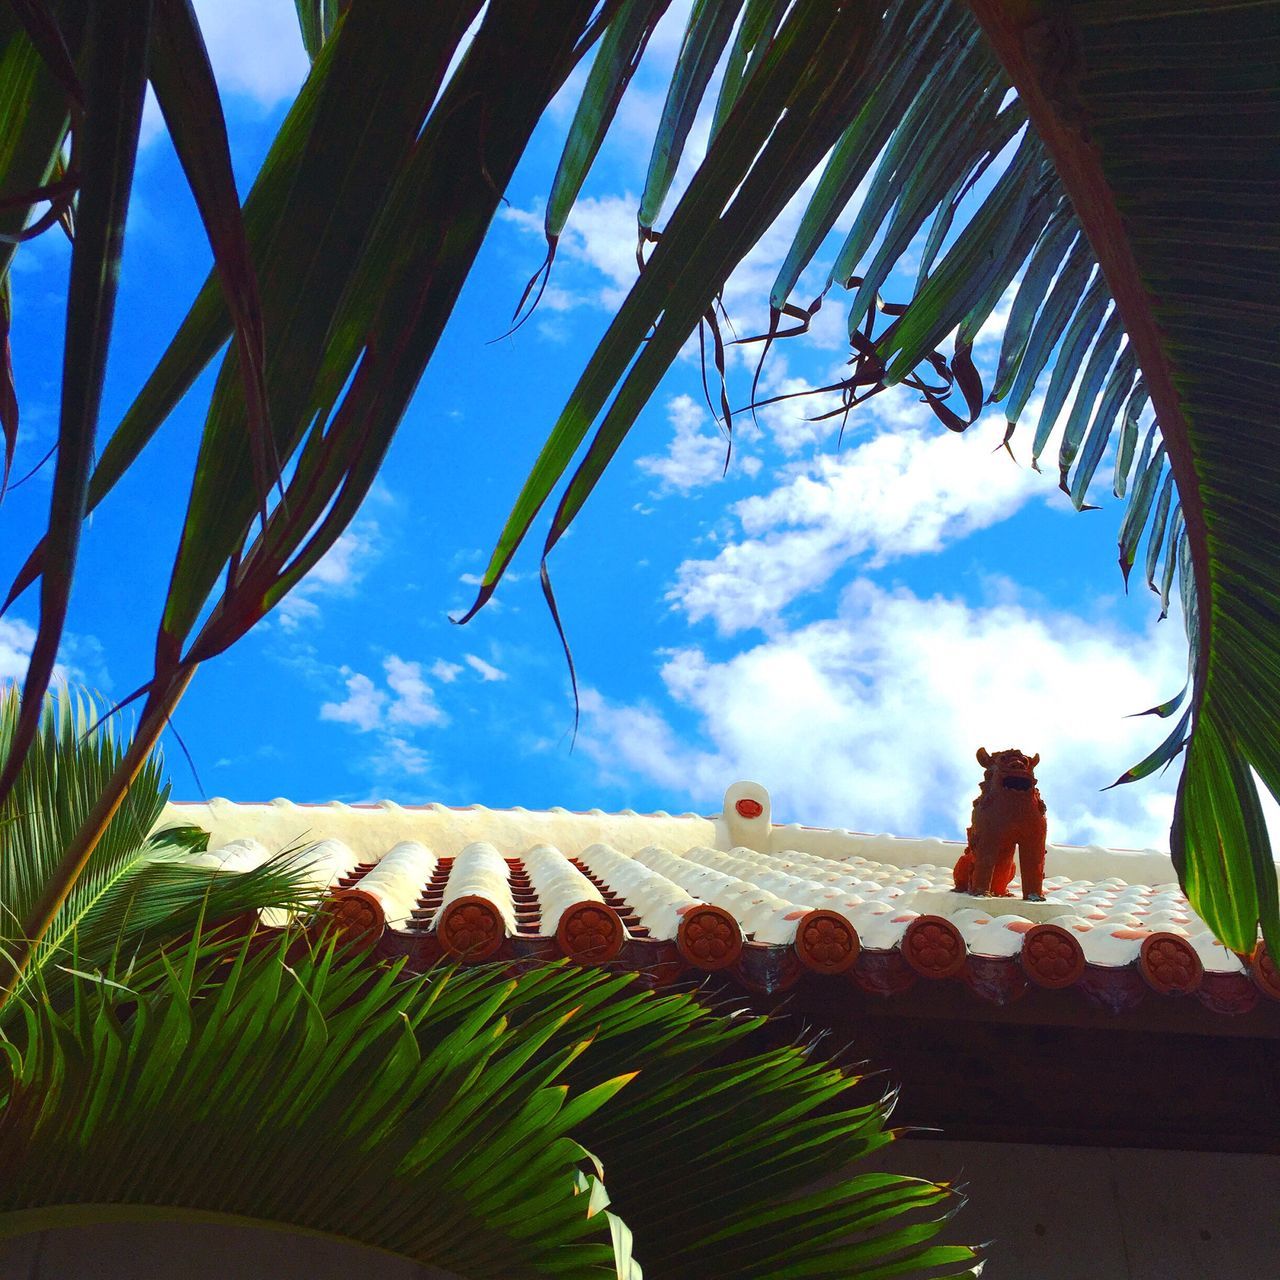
(174, 1251)
(169, 1251)
(1095, 1213)
(1053, 1213)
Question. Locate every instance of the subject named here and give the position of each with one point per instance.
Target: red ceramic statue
(1007, 813)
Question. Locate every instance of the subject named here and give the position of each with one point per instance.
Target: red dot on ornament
(749, 808)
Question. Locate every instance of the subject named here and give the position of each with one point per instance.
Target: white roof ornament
(747, 817)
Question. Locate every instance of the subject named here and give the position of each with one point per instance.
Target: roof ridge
(438, 806)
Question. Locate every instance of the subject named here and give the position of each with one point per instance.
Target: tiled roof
(767, 905)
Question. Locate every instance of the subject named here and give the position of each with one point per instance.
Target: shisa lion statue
(1008, 813)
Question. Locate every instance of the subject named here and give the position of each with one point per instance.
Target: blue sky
(844, 625)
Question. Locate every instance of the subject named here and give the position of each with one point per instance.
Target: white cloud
(790, 423)
(905, 492)
(80, 657)
(600, 235)
(256, 49)
(16, 639)
(338, 572)
(483, 669)
(696, 453)
(410, 700)
(391, 715)
(414, 701)
(870, 719)
(342, 565)
(398, 756)
(363, 705)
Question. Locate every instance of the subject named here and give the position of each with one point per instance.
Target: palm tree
(140, 891)
(161, 1061)
(460, 1119)
(1136, 199)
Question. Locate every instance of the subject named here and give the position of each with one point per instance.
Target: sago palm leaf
(703, 1198)
(745, 1167)
(918, 100)
(292, 1091)
(443, 1118)
(136, 893)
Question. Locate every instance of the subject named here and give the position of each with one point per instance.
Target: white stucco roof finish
(735, 892)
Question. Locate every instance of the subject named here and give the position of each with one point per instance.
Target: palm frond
(8, 389)
(182, 77)
(461, 1118)
(138, 891)
(748, 1206)
(60, 781)
(730, 1161)
(930, 113)
(317, 19)
(79, 73)
(33, 124)
(104, 149)
(290, 1090)
(1122, 95)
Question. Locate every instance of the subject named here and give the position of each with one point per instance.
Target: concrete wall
(1052, 1213)
(1097, 1213)
(200, 1251)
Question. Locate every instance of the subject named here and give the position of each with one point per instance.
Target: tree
(140, 891)
(164, 1061)
(377, 228)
